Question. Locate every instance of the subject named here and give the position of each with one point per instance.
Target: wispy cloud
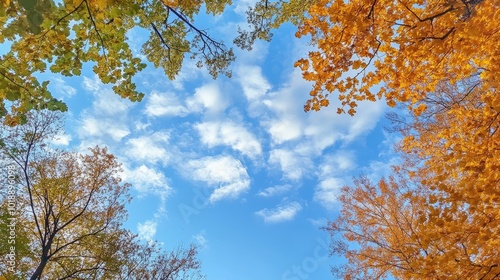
(242, 6)
(283, 212)
(254, 86)
(62, 139)
(201, 240)
(333, 173)
(339, 163)
(108, 116)
(207, 98)
(147, 230)
(148, 180)
(327, 191)
(285, 104)
(275, 190)
(63, 90)
(293, 165)
(101, 127)
(149, 148)
(230, 134)
(106, 102)
(225, 173)
(317, 130)
(161, 104)
(319, 222)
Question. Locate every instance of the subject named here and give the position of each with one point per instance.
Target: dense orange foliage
(397, 233)
(438, 216)
(405, 47)
(458, 141)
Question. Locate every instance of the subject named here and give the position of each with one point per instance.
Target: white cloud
(141, 126)
(150, 148)
(283, 212)
(62, 139)
(276, 190)
(285, 129)
(164, 104)
(91, 126)
(231, 134)
(226, 172)
(149, 181)
(167, 104)
(91, 85)
(254, 85)
(319, 222)
(108, 116)
(378, 169)
(292, 164)
(106, 102)
(333, 172)
(208, 97)
(243, 5)
(287, 105)
(147, 230)
(62, 88)
(315, 130)
(201, 239)
(327, 191)
(338, 163)
(110, 104)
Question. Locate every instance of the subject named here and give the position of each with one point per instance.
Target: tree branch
(96, 30)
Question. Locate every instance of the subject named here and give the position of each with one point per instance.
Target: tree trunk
(43, 261)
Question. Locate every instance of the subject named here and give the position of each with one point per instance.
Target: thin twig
(96, 30)
(61, 19)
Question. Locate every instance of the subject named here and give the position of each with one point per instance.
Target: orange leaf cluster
(403, 47)
(438, 216)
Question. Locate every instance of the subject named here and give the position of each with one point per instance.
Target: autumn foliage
(438, 215)
(70, 212)
(399, 228)
(62, 36)
(398, 50)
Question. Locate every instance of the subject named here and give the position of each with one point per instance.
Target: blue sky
(233, 165)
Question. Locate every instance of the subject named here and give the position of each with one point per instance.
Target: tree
(398, 228)
(437, 216)
(398, 50)
(62, 36)
(72, 207)
(382, 222)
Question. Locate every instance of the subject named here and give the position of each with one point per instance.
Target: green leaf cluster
(61, 36)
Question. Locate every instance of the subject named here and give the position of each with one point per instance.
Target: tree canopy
(398, 50)
(68, 217)
(436, 216)
(60, 36)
